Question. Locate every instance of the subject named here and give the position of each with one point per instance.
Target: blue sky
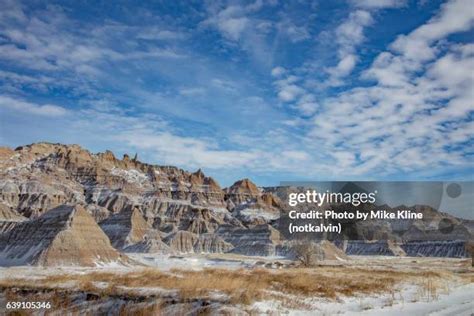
(270, 90)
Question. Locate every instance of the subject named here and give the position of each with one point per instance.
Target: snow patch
(131, 176)
(255, 213)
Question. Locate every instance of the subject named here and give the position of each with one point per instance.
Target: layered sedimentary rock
(127, 228)
(260, 240)
(446, 248)
(211, 243)
(150, 244)
(178, 211)
(251, 205)
(324, 249)
(184, 242)
(65, 235)
(374, 247)
(421, 231)
(37, 177)
(32, 186)
(9, 218)
(171, 217)
(99, 213)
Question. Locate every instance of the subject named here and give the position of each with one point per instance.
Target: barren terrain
(248, 285)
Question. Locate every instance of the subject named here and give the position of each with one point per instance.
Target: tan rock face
(9, 214)
(324, 249)
(251, 205)
(99, 213)
(260, 240)
(6, 153)
(244, 186)
(66, 235)
(184, 242)
(38, 177)
(9, 218)
(150, 245)
(127, 228)
(211, 243)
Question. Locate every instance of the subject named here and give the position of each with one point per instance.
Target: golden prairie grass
(239, 286)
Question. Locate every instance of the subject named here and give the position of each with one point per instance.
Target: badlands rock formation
(372, 247)
(65, 235)
(9, 218)
(184, 242)
(140, 207)
(251, 205)
(148, 208)
(127, 228)
(252, 241)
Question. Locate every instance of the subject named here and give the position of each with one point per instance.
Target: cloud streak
(31, 108)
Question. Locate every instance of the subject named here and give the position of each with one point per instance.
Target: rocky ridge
(141, 207)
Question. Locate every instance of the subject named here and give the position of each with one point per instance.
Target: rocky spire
(244, 186)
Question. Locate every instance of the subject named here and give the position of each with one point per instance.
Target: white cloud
(240, 25)
(307, 108)
(351, 32)
(378, 4)
(278, 71)
(56, 43)
(307, 105)
(287, 87)
(233, 27)
(160, 35)
(187, 151)
(296, 155)
(289, 93)
(161, 142)
(417, 113)
(348, 35)
(150, 135)
(295, 33)
(195, 91)
(455, 16)
(343, 68)
(224, 85)
(230, 21)
(31, 108)
(403, 126)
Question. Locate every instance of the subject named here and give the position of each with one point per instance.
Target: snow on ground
(167, 263)
(457, 301)
(196, 261)
(452, 298)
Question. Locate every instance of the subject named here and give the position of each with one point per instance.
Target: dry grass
(240, 286)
